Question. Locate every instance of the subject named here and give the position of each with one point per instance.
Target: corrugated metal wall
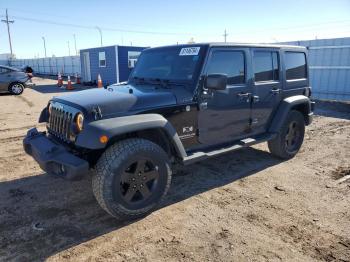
(329, 62)
(66, 65)
(4, 62)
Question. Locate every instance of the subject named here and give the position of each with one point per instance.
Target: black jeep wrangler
(182, 104)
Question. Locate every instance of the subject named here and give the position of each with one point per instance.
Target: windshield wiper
(147, 81)
(168, 82)
(158, 81)
(138, 80)
(163, 83)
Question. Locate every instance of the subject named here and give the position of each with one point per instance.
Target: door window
(266, 66)
(295, 65)
(230, 63)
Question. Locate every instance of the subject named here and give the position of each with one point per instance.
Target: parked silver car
(13, 80)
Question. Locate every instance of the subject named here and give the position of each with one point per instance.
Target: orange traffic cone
(99, 81)
(59, 80)
(69, 85)
(77, 78)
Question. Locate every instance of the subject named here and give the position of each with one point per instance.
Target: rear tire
(288, 142)
(16, 88)
(131, 178)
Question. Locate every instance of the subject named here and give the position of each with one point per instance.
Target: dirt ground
(243, 206)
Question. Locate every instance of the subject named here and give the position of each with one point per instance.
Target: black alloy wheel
(139, 181)
(132, 177)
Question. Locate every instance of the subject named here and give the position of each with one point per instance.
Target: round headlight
(50, 108)
(79, 120)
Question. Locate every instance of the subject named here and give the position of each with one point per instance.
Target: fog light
(103, 139)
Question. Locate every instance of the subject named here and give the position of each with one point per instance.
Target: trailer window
(266, 66)
(295, 65)
(102, 59)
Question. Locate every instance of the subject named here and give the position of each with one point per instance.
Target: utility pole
(68, 48)
(75, 45)
(44, 45)
(225, 35)
(100, 31)
(8, 22)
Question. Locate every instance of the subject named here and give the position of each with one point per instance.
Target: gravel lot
(243, 206)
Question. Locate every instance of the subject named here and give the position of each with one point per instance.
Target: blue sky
(155, 22)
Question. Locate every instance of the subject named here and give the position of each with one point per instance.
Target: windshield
(170, 63)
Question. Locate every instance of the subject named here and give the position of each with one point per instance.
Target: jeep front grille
(60, 122)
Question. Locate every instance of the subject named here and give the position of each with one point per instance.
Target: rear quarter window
(295, 63)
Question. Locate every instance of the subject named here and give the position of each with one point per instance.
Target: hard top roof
(221, 44)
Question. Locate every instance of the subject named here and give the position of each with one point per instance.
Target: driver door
(224, 115)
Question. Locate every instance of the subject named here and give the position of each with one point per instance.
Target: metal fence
(4, 62)
(329, 62)
(66, 65)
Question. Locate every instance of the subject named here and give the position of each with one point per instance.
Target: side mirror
(216, 82)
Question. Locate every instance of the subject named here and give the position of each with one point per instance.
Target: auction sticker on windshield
(189, 51)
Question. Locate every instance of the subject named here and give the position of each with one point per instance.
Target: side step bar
(199, 156)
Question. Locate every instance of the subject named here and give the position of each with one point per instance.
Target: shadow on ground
(5, 94)
(47, 89)
(43, 215)
(334, 109)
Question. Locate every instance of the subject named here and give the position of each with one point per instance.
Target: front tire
(132, 177)
(288, 142)
(16, 88)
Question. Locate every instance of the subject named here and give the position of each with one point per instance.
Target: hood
(116, 100)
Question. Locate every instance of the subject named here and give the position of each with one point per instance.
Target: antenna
(225, 35)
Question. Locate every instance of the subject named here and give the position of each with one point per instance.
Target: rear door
(4, 78)
(267, 91)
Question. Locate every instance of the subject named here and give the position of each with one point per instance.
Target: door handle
(276, 91)
(256, 99)
(244, 96)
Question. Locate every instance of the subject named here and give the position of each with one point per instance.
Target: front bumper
(311, 114)
(54, 158)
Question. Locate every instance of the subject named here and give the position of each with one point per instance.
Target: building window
(230, 63)
(295, 65)
(266, 66)
(102, 59)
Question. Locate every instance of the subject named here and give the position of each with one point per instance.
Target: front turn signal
(103, 139)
